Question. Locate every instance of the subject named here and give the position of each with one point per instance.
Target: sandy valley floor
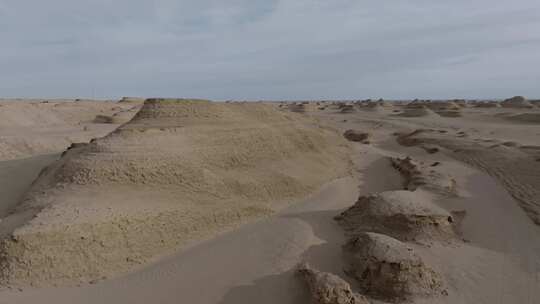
(188, 201)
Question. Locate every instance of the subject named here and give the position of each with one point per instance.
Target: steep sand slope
(179, 170)
(32, 127)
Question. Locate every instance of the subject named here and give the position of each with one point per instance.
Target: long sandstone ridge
(180, 170)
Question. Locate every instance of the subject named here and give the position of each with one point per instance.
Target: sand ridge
(179, 170)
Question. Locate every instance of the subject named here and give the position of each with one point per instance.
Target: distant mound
(461, 102)
(346, 108)
(180, 170)
(516, 102)
(486, 104)
(417, 110)
(131, 100)
(445, 108)
(297, 108)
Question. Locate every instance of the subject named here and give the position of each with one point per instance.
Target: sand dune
(179, 170)
(405, 215)
(516, 102)
(387, 269)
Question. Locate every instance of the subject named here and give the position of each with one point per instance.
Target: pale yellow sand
(33, 127)
(492, 259)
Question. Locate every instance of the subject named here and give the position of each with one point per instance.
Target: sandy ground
(479, 166)
(35, 127)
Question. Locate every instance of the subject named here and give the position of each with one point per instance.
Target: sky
(270, 49)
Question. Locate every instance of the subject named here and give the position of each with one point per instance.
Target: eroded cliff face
(180, 170)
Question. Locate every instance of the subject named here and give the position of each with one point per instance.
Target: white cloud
(269, 49)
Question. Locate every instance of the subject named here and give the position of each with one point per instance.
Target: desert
(181, 200)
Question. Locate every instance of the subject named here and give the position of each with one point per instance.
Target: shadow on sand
(286, 287)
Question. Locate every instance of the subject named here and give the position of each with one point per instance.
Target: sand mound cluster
(441, 108)
(422, 176)
(180, 170)
(379, 225)
(518, 171)
(346, 108)
(327, 288)
(378, 107)
(416, 109)
(297, 108)
(301, 106)
(405, 215)
(388, 269)
(449, 113)
(486, 104)
(516, 102)
(443, 105)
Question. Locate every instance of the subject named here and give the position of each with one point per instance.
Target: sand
(464, 186)
(34, 127)
(179, 170)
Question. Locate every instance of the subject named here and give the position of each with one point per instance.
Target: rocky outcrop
(419, 175)
(179, 171)
(516, 102)
(357, 136)
(405, 215)
(388, 269)
(327, 288)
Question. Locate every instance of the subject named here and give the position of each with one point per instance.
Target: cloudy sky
(270, 49)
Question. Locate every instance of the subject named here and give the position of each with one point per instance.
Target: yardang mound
(180, 170)
(387, 268)
(327, 288)
(405, 215)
